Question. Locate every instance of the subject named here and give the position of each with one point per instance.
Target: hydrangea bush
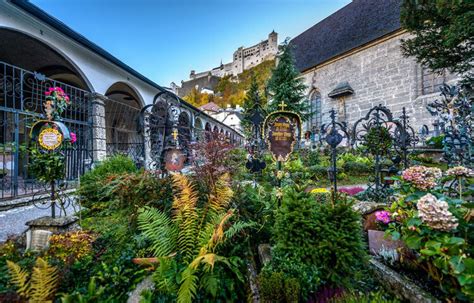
(437, 227)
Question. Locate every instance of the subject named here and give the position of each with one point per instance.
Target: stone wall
(379, 74)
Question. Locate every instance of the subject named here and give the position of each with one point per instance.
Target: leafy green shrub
(275, 287)
(319, 171)
(356, 168)
(438, 227)
(436, 142)
(132, 191)
(310, 157)
(91, 188)
(325, 241)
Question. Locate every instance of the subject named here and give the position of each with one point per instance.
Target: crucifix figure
(282, 105)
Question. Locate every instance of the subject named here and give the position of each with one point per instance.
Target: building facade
(111, 103)
(352, 61)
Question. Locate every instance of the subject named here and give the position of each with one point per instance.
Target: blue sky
(165, 39)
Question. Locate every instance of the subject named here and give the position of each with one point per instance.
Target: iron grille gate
(21, 102)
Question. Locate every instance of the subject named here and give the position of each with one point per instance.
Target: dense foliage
(92, 190)
(286, 85)
(443, 34)
(434, 220)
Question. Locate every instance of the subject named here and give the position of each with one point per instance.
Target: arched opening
(28, 68)
(208, 131)
(315, 122)
(122, 112)
(198, 129)
(184, 130)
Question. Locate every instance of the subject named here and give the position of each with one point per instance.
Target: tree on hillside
(253, 101)
(443, 34)
(285, 84)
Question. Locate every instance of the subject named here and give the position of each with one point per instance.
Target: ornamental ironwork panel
(455, 117)
(389, 141)
(164, 125)
(22, 97)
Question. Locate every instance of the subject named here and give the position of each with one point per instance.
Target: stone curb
(400, 285)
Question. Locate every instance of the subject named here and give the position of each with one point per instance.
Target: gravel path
(12, 222)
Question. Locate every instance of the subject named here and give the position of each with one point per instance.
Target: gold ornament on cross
(175, 134)
(282, 105)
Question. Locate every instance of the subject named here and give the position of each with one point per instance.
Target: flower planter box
(378, 242)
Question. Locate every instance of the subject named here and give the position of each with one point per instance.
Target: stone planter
(378, 242)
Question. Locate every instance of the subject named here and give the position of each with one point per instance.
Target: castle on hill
(243, 59)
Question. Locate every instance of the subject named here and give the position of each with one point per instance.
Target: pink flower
(383, 216)
(51, 89)
(351, 191)
(73, 137)
(47, 93)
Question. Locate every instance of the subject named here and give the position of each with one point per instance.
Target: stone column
(99, 147)
(147, 142)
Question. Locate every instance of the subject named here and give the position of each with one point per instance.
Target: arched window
(316, 113)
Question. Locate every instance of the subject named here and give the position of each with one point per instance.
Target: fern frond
(185, 216)
(187, 235)
(186, 197)
(158, 228)
(19, 278)
(237, 227)
(44, 280)
(188, 288)
(165, 276)
(221, 194)
(218, 235)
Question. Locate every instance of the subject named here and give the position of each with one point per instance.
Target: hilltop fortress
(243, 59)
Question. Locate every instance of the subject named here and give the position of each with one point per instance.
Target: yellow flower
(320, 190)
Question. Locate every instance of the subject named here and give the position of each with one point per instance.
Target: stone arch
(26, 51)
(122, 113)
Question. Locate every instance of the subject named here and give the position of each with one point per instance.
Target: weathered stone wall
(379, 74)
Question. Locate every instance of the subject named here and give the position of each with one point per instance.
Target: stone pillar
(147, 143)
(99, 146)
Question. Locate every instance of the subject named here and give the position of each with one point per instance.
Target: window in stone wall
(315, 121)
(431, 81)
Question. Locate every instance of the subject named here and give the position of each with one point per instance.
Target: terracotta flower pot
(378, 242)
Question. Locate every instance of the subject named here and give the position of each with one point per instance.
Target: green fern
(41, 286)
(189, 285)
(158, 228)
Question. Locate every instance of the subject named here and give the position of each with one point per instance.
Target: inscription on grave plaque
(281, 137)
(50, 138)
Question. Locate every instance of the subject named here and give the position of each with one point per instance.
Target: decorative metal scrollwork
(159, 123)
(455, 113)
(388, 140)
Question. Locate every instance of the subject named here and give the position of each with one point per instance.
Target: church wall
(379, 74)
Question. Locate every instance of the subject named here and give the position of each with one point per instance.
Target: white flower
(435, 213)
